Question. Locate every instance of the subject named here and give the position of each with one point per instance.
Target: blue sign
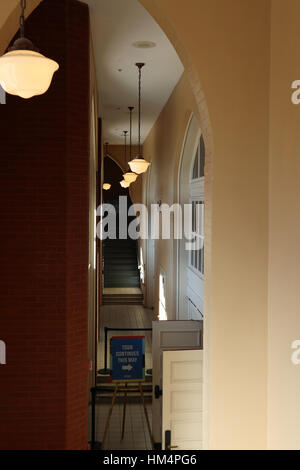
(127, 358)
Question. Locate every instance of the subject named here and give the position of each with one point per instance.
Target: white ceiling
(116, 25)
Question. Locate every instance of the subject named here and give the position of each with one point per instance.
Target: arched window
(197, 201)
(195, 291)
(199, 161)
(190, 260)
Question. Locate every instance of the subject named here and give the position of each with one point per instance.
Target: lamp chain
(125, 156)
(22, 18)
(131, 108)
(140, 107)
(140, 65)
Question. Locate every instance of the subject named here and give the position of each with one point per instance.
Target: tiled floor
(136, 436)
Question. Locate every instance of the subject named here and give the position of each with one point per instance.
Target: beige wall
(228, 50)
(284, 292)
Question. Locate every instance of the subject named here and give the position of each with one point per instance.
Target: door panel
(182, 398)
(170, 335)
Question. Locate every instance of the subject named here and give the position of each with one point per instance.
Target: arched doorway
(119, 251)
(108, 196)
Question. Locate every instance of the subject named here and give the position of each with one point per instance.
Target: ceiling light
(130, 177)
(124, 184)
(106, 186)
(139, 164)
(23, 70)
(144, 44)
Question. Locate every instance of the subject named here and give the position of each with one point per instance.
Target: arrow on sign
(129, 367)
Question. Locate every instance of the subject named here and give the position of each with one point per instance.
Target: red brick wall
(44, 159)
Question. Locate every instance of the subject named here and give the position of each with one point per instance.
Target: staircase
(120, 264)
(122, 299)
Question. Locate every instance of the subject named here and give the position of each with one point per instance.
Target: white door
(182, 423)
(169, 335)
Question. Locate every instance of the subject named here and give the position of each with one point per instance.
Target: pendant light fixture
(23, 70)
(106, 186)
(139, 164)
(130, 177)
(124, 183)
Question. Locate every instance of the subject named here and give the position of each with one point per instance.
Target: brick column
(44, 163)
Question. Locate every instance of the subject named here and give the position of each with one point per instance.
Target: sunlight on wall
(142, 267)
(162, 313)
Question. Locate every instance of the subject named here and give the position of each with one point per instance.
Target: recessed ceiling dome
(144, 44)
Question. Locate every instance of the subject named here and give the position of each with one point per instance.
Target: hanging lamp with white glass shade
(124, 183)
(23, 70)
(139, 165)
(130, 177)
(106, 186)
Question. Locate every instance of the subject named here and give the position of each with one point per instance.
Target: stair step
(114, 271)
(122, 297)
(117, 302)
(133, 296)
(119, 283)
(121, 267)
(126, 273)
(119, 255)
(134, 282)
(116, 275)
(123, 302)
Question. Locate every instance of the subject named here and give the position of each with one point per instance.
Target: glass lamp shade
(106, 186)
(130, 177)
(26, 73)
(139, 165)
(124, 184)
